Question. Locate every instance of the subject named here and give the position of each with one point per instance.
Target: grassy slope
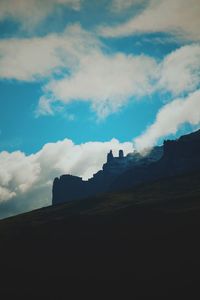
(144, 240)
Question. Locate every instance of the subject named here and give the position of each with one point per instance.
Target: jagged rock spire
(110, 156)
(121, 153)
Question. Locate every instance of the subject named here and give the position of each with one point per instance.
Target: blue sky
(78, 77)
(22, 130)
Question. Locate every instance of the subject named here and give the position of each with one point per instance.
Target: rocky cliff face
(68, 187)
(175, 157)
(186, 147)
(179, 156)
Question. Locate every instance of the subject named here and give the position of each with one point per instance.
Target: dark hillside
(144, 241)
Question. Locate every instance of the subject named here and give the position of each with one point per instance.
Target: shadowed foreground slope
(144, 241)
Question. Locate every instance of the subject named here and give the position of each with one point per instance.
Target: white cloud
(170, 118)
(35, 58)
(18, 171)
(31, 12)
(180, 70)
(26, 180)
(107, 81)
(77, 66)
(86, 73)
(180, 17)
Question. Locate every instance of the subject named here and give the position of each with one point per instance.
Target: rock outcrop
(179, 156)
(68, 187)
(125, 172)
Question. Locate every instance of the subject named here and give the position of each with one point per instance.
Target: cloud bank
(26, 180)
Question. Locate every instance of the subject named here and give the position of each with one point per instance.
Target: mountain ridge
(174, 157)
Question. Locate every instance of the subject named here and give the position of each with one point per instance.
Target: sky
(81, 77)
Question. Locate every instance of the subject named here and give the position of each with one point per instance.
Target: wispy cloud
(106, 81)
(180, 70)
(32, 12)
(180, 17)
(44, 107)
(39, 57)
(179, 75)
(170, 118)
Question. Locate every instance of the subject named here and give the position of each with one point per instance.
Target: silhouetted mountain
(125, 172)
(68, 187)
(142, 240)
(179, 156)
(142, 243)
